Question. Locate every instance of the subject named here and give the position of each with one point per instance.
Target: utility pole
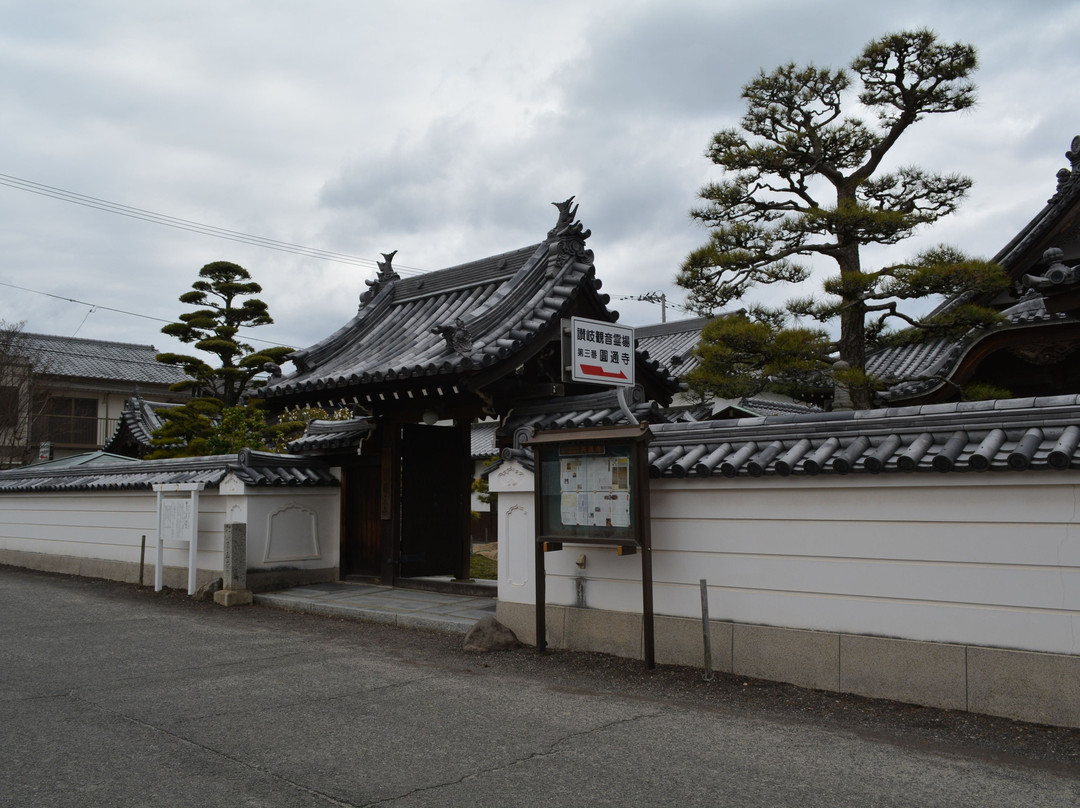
(657, 297)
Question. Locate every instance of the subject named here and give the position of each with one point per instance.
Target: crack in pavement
(314, 792)
(552, 749)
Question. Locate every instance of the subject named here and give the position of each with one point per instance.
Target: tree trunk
(852, 343)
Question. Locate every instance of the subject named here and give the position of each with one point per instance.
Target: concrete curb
(450, 625)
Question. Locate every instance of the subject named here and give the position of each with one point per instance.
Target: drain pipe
(620, 393)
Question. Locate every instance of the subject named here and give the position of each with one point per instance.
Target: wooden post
(463, 425)
(390, 501)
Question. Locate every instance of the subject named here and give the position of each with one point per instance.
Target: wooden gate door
(361, 536)
(434, 499)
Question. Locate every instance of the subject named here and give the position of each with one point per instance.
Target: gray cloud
(444, 131)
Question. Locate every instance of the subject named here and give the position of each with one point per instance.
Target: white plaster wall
(104, 525)
(515, 528)
(295, 528)
(990, 560)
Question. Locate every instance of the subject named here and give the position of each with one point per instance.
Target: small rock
(207, 590)
(490, 635)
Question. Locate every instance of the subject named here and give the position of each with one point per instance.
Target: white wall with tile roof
(99, 533)
(68, 529)
(988, 560)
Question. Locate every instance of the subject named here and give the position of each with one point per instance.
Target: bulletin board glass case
(590, 485)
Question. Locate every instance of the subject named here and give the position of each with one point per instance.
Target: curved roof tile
(1010, 435)
(253, 468)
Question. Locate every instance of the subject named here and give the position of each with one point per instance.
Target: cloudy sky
(442, 129)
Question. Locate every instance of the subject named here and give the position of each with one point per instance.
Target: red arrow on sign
(596, 370)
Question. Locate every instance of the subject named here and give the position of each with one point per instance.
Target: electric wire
(96, 306)
(190, 226)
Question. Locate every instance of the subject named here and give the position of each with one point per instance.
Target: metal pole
(540, 598)
(142, 558)
(706, 637)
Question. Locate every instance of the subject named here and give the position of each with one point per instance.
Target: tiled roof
(913, 370)
(323, 436)
(96, 359)
(1011, 435)
(482, 440)
(571, 412)
(430, 335)
(136, 425)
(916, 370)
(253, 468)
(672, 344)
(751, 406)
(84, 460)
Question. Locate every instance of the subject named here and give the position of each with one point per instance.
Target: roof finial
(1066, 176)
(570, 233)
(567, 212)
(386, 275)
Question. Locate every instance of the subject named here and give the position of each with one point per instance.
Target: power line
(94, 306)
(191, 226)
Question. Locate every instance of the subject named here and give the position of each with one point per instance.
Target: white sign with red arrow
(600, 352)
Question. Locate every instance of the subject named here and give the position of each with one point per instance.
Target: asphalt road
(115, 696)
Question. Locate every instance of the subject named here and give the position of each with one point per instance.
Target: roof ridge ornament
(1068, 176)
(1056, 273)
(570, 233)
(386, 275)
(457, 336)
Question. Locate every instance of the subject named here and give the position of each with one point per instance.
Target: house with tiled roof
(76, 392)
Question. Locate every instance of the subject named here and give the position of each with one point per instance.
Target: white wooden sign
(178, 521)
(600, 352)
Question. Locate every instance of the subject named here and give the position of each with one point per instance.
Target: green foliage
(239, 428)
(801, 180)
(213, 328)
(186, 430)
(743, 354)
(483, 568)
(292, 423)
(216, 420)
(984, 392)
(480, 486)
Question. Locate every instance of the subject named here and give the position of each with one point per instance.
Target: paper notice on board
(574, 508)
(176, 519)
(595, 491)
(573, 475)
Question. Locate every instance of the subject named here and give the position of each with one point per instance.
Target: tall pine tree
(213, 328)
(802, 177)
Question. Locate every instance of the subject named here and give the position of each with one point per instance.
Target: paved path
(412, 608)
(111, 696)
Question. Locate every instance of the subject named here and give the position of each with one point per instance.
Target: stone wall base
(1024, 685)
(111, 570)
(171, 577)
(272, 580)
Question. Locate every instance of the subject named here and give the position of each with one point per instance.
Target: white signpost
(178, 521)
(600, 352)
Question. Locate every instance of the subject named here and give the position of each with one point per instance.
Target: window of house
(62, 419)
(9, 403)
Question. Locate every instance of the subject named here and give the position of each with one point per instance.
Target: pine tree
(803, 178)
(213, 328)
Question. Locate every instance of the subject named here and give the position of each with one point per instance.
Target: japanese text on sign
(601, 353)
